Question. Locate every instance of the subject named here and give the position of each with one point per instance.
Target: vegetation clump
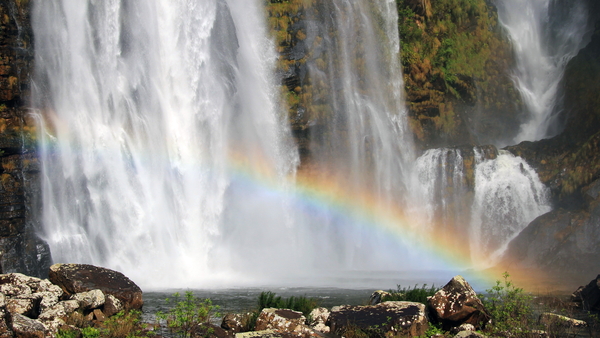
(408, 294)
(188, 314)
(454, 56)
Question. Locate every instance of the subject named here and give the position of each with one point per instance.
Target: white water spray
(508, 196)
(545, 34)
(150, 103)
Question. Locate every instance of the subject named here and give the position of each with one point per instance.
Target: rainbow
(329, 193)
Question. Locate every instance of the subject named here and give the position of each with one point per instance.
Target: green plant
(407, 294)
(62, 333)
(123, 325)
(301, 303)
(188, 314)
(510, 309)
(90, 332)
(433, 330)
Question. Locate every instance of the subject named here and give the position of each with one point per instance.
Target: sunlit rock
(457, 303)
(76, 278)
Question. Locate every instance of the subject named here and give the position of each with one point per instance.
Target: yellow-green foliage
(448, 50)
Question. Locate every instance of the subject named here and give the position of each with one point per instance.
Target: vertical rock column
(20, 195)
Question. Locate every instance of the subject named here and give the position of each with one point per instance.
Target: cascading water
(508, 195)
(545, 35)
(358, 84)
(149, 108)
(164, 153)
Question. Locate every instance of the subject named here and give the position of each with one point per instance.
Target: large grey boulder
(388, 318)
(457, 303)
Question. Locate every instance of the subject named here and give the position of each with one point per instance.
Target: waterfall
(357, 82)
(166, 153)
(545, 35)
(149, 107)
(508, 196)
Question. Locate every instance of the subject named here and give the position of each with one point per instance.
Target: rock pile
(34, 307)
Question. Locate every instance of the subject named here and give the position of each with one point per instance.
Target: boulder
(456, 304)
(112, 306)
(76, 278)
(90, 299)
(319, 317)
(555, 321)
(259, 334)
(377, 296)
(588, 296)
(389, 318)
(59, 310)
(21, 306)
(282, 320)
(233, 322)
(4, 330)
(25, 327)
(469, 334)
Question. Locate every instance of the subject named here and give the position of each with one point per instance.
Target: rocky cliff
(20, 194)
(566, 239)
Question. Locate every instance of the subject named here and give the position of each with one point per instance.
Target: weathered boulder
(25, 327)
(588, 296)
(395, 318)
(469, 334)
(112, 305)
(90, 299)
(260, 334)
(553, 319)
(76, 278)
(59, 310)
(282, 320)
(456, 303)
(4, 329)
(563, 326)
(377, 296)
(319, 317)
(21, 306)
(233, 322)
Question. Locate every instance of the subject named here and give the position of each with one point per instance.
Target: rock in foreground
(588, 296)
(78, 278)
(389, 318)
(457, 303)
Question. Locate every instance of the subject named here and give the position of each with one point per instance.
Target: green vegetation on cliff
(455, 58)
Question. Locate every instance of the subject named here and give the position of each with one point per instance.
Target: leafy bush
(416, 294)
(510, 309)
(188, 314)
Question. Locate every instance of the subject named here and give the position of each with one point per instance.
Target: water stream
(545, 35)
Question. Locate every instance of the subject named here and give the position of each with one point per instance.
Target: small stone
(98, 315)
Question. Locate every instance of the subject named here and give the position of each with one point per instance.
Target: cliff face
(20, 194)
(566, 239)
